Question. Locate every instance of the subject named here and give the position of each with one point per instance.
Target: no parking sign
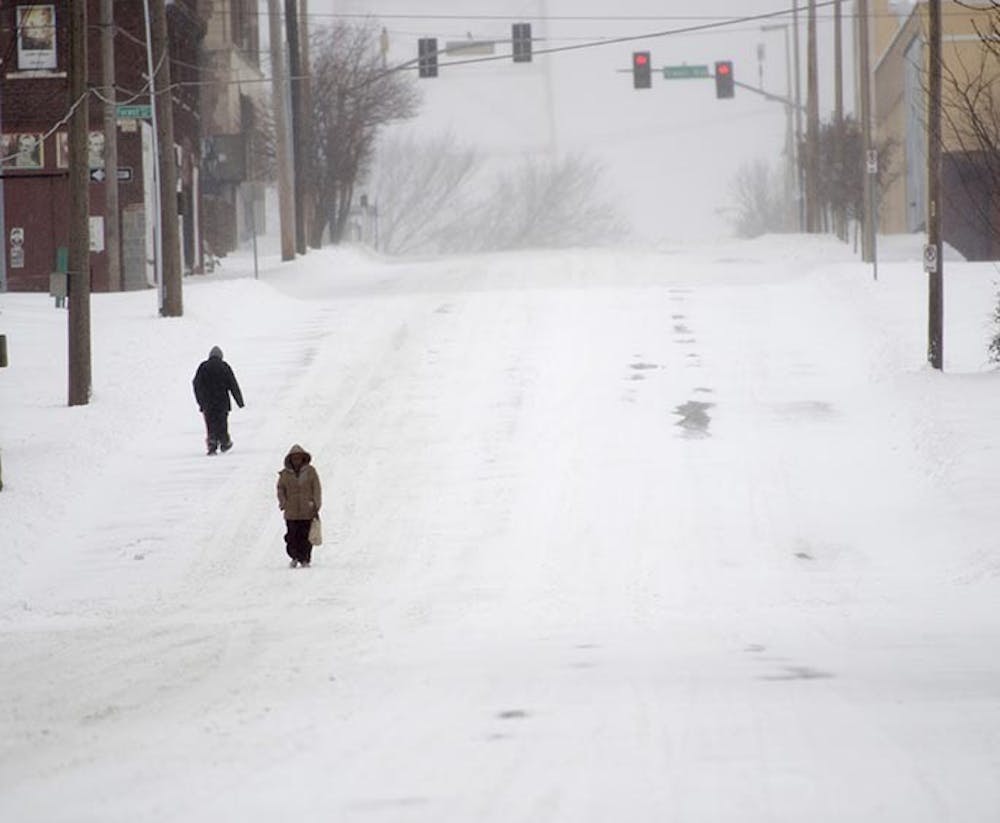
(930, 259)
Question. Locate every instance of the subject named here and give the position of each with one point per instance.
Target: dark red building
(34, 106)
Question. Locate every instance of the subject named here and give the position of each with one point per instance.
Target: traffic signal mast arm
(776, 98)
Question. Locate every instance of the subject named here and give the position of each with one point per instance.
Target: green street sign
(685, 72)
(142, 111)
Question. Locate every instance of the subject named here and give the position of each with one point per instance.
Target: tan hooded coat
(299, 493)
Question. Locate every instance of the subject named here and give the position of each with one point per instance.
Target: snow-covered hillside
(692, 535)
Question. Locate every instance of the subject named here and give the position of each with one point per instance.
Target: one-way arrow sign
(100, 175)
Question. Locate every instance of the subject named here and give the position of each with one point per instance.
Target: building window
(36, 37)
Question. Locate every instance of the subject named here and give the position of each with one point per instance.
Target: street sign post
(685, 72)
(135, 111)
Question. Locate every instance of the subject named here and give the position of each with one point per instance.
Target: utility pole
(813, 221)
(295, 68)
(3, 217)
(286, 199)
(78, 278)
(933, 259)
(305, 101)
(163, 100)
(798, 116)
(112, 243)
(868, 228)
(838, 91)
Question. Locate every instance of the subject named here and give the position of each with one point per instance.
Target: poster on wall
(22, 151)
(62, 150)
(36, 37)
(95, 150)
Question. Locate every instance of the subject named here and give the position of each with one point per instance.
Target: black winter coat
(213, 383)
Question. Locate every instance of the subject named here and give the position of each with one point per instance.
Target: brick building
(34, 49)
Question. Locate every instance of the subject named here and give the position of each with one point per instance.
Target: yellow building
(900, 60)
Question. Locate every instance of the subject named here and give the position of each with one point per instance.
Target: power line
(703, 27)
(602, 18)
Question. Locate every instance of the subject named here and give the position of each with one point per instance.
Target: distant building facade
(969, 204)
(232, 97)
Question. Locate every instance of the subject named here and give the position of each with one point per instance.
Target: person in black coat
(213, 383)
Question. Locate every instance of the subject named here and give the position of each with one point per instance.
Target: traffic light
(724, 81)
(642, 70)
(427, 54)
(521, 38)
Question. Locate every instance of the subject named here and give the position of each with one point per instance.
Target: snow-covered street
(687, 536)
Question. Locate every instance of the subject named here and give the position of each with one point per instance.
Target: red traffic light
(725, 81)
(642, 70)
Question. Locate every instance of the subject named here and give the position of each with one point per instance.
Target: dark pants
(297, 540)
(217, 429)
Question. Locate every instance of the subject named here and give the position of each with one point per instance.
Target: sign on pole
(685, 72)
(136, 111)
(930, 258)
(871, 161)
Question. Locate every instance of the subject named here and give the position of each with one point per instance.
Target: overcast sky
(670, 152)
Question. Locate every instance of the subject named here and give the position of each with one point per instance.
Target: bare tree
(842, 170)
(759, 200)
(544, 204)
(437, 197)
(353, 97)
(971, 113)
(424, 190)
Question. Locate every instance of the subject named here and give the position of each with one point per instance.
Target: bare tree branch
(353, 97)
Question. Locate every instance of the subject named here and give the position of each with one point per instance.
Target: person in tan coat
(300, 496)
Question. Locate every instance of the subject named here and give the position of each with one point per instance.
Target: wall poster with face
(36, 37)
(22, 151)
(95, 149)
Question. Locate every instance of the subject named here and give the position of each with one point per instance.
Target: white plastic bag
(316, 532)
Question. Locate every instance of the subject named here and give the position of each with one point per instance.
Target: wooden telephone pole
(78, 275)
(868, 228)
(933, 262)
(173, 304)
(813, 216)
(295, 69)
(305, 104)
(279, 78)
(840, 218)
(112, 242)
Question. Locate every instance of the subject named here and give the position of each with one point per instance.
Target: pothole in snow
(695, 418)
(798, 673)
